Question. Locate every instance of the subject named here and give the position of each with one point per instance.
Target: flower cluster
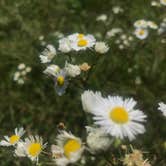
(142, 28)
(124, 41)
(20, 75)
(31, 147)
(68, 46)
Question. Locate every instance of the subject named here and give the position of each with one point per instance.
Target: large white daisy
(68, 149)
(115, 115)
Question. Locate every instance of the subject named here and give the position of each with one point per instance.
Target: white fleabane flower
(21, 66)
(116, 116)
(117, 9)
(81, 41)
(113, 32)
(16, 76)
(102, 17)
(101, 47)
(68, 149)
(152, 25)
(51, 70)
(163, 2)
(31, 148)
(13, 139)
(48, 54)
(154, 3)
(162, 108)
(89, 99)
(64, 45)
(72, 70)
(140, 24)
(141, 33)
(97, 139)
(61, 82)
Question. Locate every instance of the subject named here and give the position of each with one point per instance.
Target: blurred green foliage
(36, 106)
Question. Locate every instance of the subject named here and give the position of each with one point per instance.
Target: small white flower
(115, 116)
(141, 33)
(64, 45)
(72, 70)
(41, 38)
(20, 81)
(162, 108)
(121, 47)
(61, 82)
(89, 99)
(21, 66)
(97, 139)
(113, 32)
(31, 148)
(16, 76)
(163, 2)
(152, 25)
(154, 3)
(68, 149)
(117, 9)
(81, 41)
(13, 139)
(48, 54)
(140, 24)
(28, 69)
(102, 17)
(51, 70)
(101, 47)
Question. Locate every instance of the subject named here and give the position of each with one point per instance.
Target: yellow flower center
(119, 115)
(82, 43)
(34, 149)
(80, 36)
(71, 146)
(141, 32)
(13, 139)
(60, 80)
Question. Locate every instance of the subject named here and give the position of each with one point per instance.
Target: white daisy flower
(16, 76)
(72, 70)
(81, 41)
(89, 99)
(154, 3)
(31, 148)
(48, 54)
(152, 25)
(117, 9)
(163, 2)
(13, 139)
(140, 24)
(113, 32)
(97, 139)
(21, 66)
(102, 17)
(68, 149)
(52, 70)
(28, 69)
(64, 45)
(116, 116)
(61, 82)
(101, 47)
(141, 33)
(162, 108)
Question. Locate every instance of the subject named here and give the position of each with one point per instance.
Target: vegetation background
(36, 106)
